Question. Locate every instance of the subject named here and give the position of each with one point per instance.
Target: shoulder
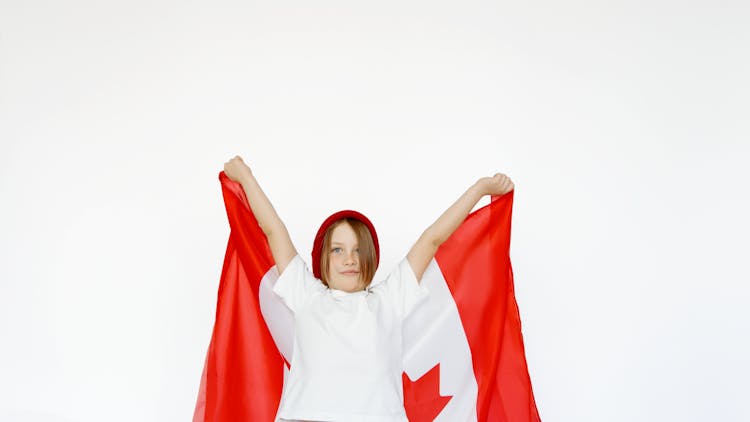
(297, 276)
(402, 272)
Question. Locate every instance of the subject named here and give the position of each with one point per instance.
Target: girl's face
(343, 260)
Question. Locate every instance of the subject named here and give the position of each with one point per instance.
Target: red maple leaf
(422, 398)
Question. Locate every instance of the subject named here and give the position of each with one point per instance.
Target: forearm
(449, 221)
(278, 238)
(279, 241)
(427, 245)
(262, 209)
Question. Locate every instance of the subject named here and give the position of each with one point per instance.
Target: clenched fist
(236, 169)
(499, 184)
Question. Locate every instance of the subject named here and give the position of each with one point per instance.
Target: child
(346, 361)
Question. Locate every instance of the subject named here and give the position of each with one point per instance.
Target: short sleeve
(297, 284)
(403, 290)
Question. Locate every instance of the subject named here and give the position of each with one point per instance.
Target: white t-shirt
(346, 361)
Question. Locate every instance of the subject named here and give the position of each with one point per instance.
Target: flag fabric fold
(463, 354)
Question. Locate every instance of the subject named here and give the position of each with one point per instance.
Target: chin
(346, 286)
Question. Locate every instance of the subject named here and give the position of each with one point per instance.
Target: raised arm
(281, 245)
(427, 245)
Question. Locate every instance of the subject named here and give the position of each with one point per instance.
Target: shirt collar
(342, 294)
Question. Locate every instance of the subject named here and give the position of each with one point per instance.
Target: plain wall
(624, 126)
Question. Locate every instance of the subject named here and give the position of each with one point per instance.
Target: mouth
(350, 273)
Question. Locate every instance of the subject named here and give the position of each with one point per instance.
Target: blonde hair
(367, 258)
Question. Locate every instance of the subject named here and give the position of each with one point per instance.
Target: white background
(623, 124)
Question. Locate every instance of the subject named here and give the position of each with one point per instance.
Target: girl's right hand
(236, 169)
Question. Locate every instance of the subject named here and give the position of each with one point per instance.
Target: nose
(350, 258)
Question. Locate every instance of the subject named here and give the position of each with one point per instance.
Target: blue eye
(335, 250)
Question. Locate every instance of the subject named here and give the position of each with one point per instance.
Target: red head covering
(318, 243)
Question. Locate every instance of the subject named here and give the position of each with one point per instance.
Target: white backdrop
(623, 124)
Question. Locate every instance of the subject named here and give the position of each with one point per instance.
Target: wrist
(247, 178)
(480, 187)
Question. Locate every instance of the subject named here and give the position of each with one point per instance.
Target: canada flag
(463, 354)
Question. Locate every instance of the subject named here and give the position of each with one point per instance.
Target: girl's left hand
(499, 184)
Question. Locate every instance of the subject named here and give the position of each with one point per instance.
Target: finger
(506, 185)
